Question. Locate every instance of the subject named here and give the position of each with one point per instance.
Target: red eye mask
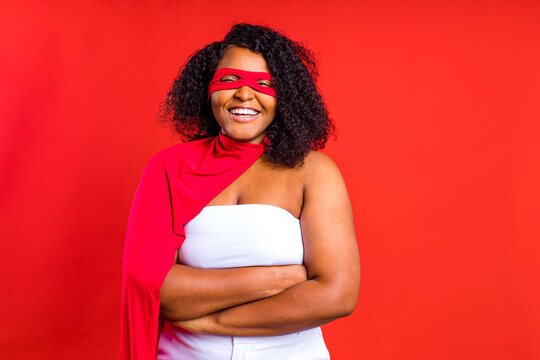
(246, 78)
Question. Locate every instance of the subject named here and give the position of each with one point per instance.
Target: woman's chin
(243, 136)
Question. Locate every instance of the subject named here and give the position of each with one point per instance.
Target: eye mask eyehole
(244, 78)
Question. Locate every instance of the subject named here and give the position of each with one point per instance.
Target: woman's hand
(190, 293)
(330, 255)
(287, 276)
(202, 325)
(291, 275)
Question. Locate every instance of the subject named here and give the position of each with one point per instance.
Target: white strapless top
(225, 236)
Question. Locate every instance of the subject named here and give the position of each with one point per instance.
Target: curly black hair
(301, 123)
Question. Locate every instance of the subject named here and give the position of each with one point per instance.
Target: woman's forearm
(330, 255)
(306, 305)
(188, 292)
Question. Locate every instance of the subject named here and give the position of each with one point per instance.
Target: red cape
(176, 184)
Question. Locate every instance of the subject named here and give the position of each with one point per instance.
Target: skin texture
(189, 292)
(250, 301)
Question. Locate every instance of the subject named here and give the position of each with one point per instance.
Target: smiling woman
(241, 240)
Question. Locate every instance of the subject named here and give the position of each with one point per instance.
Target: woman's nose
(244, 93)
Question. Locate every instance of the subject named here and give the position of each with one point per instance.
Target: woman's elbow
(172, 309)
(171, 313)
(344, 304)
(349, 304)
(166, 311)
(341, 300)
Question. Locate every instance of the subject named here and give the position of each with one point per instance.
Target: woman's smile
(244, 114)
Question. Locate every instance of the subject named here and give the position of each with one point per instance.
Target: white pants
(184, 345)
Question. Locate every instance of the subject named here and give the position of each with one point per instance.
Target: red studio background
(437, 109)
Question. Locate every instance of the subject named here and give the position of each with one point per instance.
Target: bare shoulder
(318, 159)
(325, 191)
(320, 169)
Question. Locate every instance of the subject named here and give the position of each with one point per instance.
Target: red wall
(437, 106)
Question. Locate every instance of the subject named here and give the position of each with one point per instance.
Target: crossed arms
(275, 300)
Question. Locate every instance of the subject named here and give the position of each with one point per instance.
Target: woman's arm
(330, 255)
(188, 292)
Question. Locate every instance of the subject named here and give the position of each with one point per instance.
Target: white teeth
(239, 111)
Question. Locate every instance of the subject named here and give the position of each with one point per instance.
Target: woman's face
(228, 104)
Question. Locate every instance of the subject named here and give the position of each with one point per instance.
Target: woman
(253, 281)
